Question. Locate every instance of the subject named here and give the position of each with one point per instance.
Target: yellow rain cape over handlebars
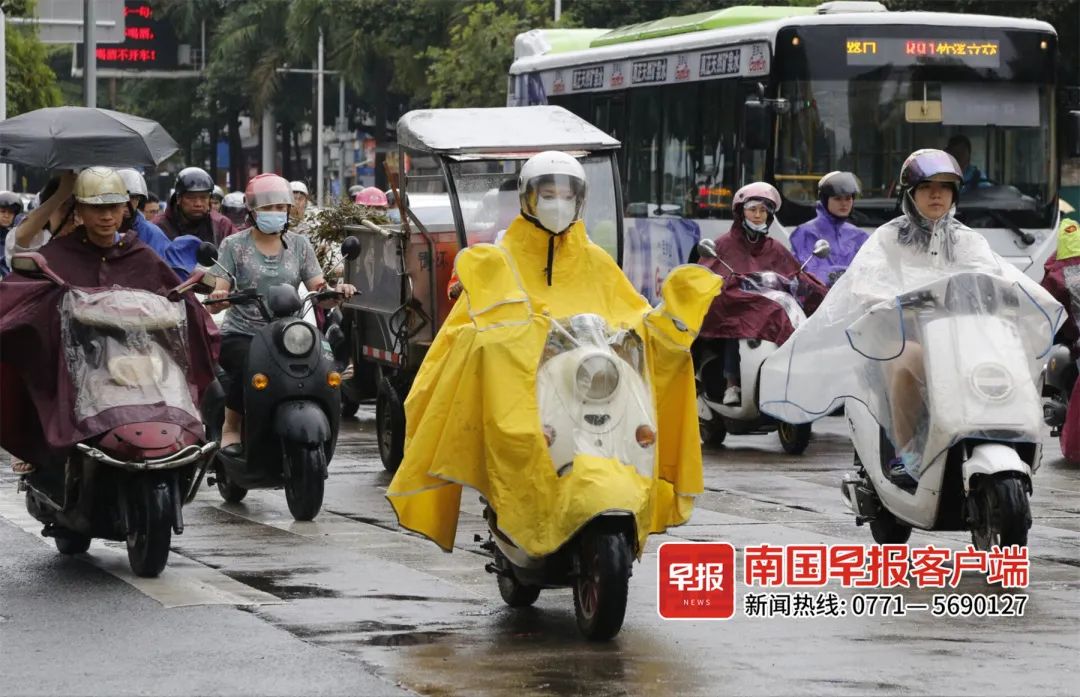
(472, 416)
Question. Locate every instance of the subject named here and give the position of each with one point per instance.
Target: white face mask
(556, 214)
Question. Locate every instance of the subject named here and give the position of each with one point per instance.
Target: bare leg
(230, 433)
(906, 385)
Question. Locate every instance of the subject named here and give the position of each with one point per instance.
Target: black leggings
(233, 360)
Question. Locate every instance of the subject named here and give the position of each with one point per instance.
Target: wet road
(253, 602)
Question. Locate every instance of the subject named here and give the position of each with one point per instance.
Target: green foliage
(471, 70)
(31, 84)
(328, 231)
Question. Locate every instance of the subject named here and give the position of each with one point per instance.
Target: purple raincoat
(844, 238)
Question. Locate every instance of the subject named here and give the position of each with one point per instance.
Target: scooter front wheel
(149, 531)
(305, 484)
(601, 586)
(515, 594)
(1003, 513)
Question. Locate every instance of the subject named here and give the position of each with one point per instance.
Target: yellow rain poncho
(472, 417)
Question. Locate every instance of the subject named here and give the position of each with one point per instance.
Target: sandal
(20, 467)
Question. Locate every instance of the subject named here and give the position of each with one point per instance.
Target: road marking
(185, 582)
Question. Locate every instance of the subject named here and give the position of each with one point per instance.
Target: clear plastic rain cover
(125, 347)
(938, 347)
(594, 394)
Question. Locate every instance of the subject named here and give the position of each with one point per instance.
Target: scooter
(1058, 378)
(981, 440)
(717, 419)
(292, 402)
(126, 348)
(593, 398)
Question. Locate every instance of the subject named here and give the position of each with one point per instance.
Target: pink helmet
(760, 191)
(371, 197)
(267, 189)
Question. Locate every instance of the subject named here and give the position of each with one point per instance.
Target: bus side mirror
(1072, 134)
(757, 124)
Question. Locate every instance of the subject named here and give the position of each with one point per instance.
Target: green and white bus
(706, 103)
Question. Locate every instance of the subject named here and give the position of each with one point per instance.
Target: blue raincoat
(844, 238)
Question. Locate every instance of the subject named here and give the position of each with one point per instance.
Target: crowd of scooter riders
(97, 229)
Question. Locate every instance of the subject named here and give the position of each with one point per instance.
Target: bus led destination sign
(976, 53)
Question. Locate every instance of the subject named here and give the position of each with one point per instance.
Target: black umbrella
(70, 137)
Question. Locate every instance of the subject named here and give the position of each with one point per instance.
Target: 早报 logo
(697, 581)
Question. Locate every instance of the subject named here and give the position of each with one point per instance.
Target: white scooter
(981, 439)
(593, 400)
(715, 418)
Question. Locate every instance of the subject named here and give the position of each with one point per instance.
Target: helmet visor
(924, 165)
(554, 187)
(841, 184)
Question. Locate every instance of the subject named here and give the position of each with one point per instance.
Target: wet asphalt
(255, 603)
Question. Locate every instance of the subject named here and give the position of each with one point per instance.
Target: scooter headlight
(597, 377)
(298, 338)
(992, 381)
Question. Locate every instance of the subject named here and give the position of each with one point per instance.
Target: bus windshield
(997, 132)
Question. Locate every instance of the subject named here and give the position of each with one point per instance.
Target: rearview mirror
(757, 125)
(920, 111)
(1072, 134)
(822, 249)
(207, 254)
(350, 248)
(707, 248)
(33, 265)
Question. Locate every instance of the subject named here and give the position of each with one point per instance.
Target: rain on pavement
(353, 584)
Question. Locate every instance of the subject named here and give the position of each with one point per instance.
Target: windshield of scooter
(777, 288)
(125, 347)
(487, 193)
(594, 395)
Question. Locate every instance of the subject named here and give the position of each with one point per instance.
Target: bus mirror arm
(1072, 134)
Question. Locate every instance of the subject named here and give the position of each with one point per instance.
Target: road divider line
(183, 583)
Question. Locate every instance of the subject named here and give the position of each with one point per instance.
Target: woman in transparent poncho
(818, 367)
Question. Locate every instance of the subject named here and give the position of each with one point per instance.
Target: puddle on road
(277, 583)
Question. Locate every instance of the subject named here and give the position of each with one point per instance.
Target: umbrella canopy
(70, 137)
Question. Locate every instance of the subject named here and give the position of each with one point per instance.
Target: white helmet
(133, 180)
(553, 213)
(299, 187)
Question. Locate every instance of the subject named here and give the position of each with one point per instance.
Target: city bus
(706, 103)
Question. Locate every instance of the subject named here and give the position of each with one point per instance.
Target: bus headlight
(298, 338)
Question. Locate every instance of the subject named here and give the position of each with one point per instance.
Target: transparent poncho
(125, 347)
(968, 327)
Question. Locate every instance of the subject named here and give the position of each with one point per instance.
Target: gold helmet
(99, 186)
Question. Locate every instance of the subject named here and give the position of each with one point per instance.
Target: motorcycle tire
(231, 493)
(69, 542)
(305, 484)
(601, 587)
(1004, 513)
(390, 425)
(150, 531)
(349, 407)
(515, 594)
(712, 430)
(794, 438)
(888, 530)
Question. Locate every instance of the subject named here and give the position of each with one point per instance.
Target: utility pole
(90, 56)
(558, 9)
(319, 164)
(342, 126)
(3, 89)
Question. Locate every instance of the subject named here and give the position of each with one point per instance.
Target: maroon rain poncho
(739, 314)
(1062, 280)
(37, 396)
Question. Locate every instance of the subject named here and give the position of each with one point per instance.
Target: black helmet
(838, 184)
(193, 180)
(10, 200)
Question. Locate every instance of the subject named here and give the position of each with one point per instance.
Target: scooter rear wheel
(1004, 513)
(888, 530)
(232, 493)
(601, 587)
(150, 531)
(794, 438)
(69, 542)
(390, 425)
(515, 594)
(712, 430)
(305, 484)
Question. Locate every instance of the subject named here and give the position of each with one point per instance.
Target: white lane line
(183, 583)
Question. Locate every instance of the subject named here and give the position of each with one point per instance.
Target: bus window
(642, 154)
(716, 173)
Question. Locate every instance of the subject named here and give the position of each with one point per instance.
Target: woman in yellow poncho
(472, 417)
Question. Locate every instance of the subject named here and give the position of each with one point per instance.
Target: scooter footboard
(302, 422)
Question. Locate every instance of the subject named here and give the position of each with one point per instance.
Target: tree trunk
(237, 166)
(286, 150)
(382, 99)
(299, 170)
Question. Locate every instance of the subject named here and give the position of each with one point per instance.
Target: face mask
(556, 214)
(271, 222)
(755, 231)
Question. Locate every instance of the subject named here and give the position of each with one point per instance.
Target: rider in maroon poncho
(736, 313)
(37, 415)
